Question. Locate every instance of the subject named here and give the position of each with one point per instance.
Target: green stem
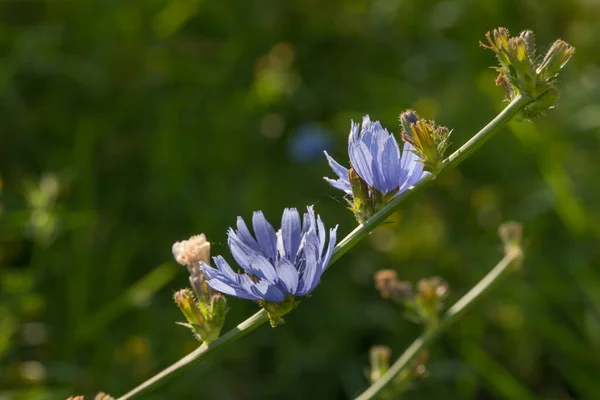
(516, 105)
(502, 269)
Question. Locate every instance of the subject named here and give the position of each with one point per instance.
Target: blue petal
(265, 234)
(311, 272)
(241, 252)
(268, 292)
(263, 269)
(221, 281)
(244, 234)
(389, 162)
(412, 168)
(223, 267)
(339, 170)
(288, 276)
(361, 160)
(354, 132)
(330, 248)
(339, 184)
(231, 289)
(377, 149)
(309, 222)
(322, 235)
(291, 232)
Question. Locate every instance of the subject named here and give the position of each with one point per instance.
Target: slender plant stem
(516, 105)
(501, 270)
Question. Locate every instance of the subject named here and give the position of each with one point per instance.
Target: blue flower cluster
(375, 156)
(276, 264)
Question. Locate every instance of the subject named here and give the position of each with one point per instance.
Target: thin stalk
(501, 270)
(514, 107)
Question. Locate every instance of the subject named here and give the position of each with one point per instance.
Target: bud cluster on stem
(204, 308)
(519, 72)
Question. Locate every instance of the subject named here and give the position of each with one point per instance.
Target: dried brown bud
(432, 289)
(380, 361)
(190, 252)
(103, 396)
(511, 234)
(388, 285)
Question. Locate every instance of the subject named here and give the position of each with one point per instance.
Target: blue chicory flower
(279, 264)
(375, 156)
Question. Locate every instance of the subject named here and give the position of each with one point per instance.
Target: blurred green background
(128, 125)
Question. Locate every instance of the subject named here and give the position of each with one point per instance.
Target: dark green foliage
(162, 119)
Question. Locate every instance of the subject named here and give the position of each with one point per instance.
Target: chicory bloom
(277, 265)
(375, 157)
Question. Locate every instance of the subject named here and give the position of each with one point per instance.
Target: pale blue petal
(263, 269)
(224, 267)
(240, 250)
(389, 162)
(265, 234)
(291, 232)
(361, 160)
(412, 168)
(244, 235)
(311, 272)
(354, 132)
(288, 276)
(330, 248)
(322, 235)
(268, 292)
(339, 184)
(230, 289)
(338, 169)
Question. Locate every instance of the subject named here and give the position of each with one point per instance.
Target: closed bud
(511, 234)
(529, 39)
(190, 309)
(518, 72)
(379, 357)
(420, 364)
(103, 396)
(431, 293)
(407, 119)
(205, 318)
(557, 57)
(429, 141)
(203, 292)
(388, 285)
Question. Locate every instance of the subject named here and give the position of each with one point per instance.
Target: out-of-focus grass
(128, 125)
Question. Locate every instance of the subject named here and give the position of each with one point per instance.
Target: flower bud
(518, 72)
(388, 285)
(529, 39)
(192, 251)
(203, 292)
(103, 396)
(511, 234)
(429, 141)
(379, 357)
(557, 57)
(429, 298)
(187, 304)
(407, 119)
(205, 319)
